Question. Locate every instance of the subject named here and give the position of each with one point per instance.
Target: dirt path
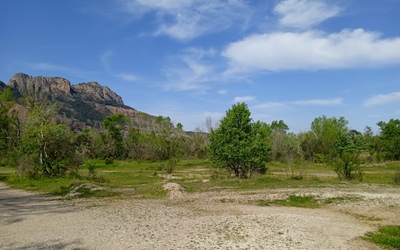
(199, 221)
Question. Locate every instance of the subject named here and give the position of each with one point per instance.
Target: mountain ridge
(83, 104)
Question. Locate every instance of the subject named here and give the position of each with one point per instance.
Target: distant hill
(84, 104)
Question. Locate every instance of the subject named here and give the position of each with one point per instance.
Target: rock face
(92, 91)
(42, 87)
(85, 104)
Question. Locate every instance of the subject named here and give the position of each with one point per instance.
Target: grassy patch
(306, 201)
(144, 179)
(386, 236)
(341, 199)
(364, 217)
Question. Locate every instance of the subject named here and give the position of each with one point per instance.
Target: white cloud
(383, 99)
(128, 77)
(105, 59)
(190, 70)
(268, 105)
(222, 91)
(244, 99)
(304, 13)
(311, 50)
(321, 102)
(183, 20)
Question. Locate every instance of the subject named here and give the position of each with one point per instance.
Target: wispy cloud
(383, 99)
(269, 105)
(47, 66)
(244, 99)
(321, 102)
(190, 70)
(128, 77)
(312, 50)
(184, 20)
(304, 13)
(222, 91)
(106, 61)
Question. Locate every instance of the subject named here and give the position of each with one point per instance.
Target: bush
(171, 166)
(347, 167)
(396, 177)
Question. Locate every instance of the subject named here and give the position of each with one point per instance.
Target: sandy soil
(219, 220)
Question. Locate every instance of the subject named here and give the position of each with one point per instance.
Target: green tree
(278, 135)
(390, 136)
(238, 144)
(47, 147)
(115, 124)
(326, 132)
(9, 126)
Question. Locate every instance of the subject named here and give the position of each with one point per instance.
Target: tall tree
(390, 136)
(326, 132)
(47, 147)
(238, 144)
(9, 126)
(115, 124)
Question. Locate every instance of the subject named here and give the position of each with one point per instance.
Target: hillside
(83, 104)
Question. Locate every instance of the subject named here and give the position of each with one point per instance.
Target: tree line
(35, 141)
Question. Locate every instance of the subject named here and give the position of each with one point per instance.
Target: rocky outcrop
(41, 87)
(94, 92)
(85, 104)
(121, 110)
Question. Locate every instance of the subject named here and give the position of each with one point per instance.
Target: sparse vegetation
(387, 236)
(306, 201)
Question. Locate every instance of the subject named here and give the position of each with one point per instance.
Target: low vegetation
(135, 157)
(387, 236)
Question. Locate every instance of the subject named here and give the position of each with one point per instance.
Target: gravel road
(220, 220)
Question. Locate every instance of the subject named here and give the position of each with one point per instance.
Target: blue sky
(290, 60)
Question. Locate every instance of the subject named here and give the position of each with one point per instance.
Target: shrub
(171, 166)
(347, 167)
(396, 177)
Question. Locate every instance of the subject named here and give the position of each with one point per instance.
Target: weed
(109, 161)
(396, 177)
(340, 199)
(171, 166)
(387, 236)
(263, 203)
(306, 201)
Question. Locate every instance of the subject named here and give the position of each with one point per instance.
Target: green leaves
(238, 144)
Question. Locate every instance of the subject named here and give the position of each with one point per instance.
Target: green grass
(306, 201)
(386, 236)
(144, 179)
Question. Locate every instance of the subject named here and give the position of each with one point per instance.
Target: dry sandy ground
(219, 220)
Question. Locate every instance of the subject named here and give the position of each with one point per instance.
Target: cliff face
(92, 91)
(39, 86)
(84, 104)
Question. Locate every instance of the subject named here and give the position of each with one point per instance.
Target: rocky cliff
(84, 104)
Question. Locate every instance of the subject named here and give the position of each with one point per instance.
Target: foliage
(390, 136)
(326, 132)
(238, 144)
(305, 201)
(114, 124)
(9, 127)
(47, 147)
(347, 167)
(387, 236)
(396, 177)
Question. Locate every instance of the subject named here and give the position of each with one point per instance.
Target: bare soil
(217, 220)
